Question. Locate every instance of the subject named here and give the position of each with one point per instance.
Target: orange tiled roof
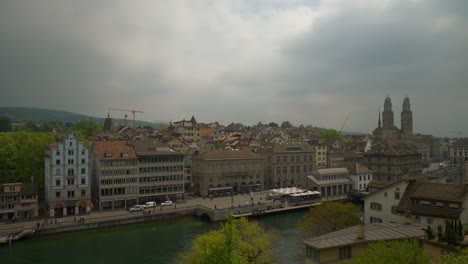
(116, 148)
(207, 131)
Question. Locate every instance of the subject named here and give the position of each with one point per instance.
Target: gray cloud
(242, 61)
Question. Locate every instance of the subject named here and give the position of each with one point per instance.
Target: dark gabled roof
(373, 232)
(431, 191)
(393, 148)
(356, 168)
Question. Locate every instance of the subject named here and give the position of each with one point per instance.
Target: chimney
(361, 229)
(408, 219)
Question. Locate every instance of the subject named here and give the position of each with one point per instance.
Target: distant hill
(39, 115)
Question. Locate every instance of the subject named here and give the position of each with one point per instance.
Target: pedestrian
(74, 219)
(60, 220)
(161, 208)
(215, 206)
(38, 225)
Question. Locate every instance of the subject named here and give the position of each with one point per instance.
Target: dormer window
(125, 155)
(108, 155)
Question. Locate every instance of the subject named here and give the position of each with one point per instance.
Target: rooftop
(373, 232)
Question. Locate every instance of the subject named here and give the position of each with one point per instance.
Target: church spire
(380, 124)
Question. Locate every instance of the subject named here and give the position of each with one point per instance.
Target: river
(156, 242)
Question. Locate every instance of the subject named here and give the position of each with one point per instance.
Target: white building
(359, 175)
(67, 182)
(380, 206)
(332, 183)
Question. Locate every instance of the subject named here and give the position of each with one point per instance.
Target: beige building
(391, 160)
(223, 171)
(321, 156)
(160, 171)
(67, 178)
(189, 130)
(333, 183)
(18, 200)
(288, 164)
(114, 170)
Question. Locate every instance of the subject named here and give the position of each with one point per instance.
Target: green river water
(156, 242)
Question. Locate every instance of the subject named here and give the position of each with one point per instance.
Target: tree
(329, 217)
(237, 241)
(286, 124)
(5, 124)
(403, 251)
(87, 128)
(273, 124)
(331, 134)
(430, 233)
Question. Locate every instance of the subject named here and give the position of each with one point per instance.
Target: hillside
(39, 115)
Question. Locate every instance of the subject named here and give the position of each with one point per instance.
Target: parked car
(136, 208)
(166, 203)
(149, 205)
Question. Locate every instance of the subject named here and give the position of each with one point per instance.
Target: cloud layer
(311, 62)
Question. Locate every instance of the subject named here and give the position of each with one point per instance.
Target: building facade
(114, 170)
(189, 130)
(333, 183)
(458, 152)
(288, 164)
(67, 178)
(391, 160)
(160, 171)
(224, 171)
(360, 175)
(18, 200)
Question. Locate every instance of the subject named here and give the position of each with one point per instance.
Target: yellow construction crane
(127, 110)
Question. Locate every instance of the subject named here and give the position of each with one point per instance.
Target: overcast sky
(310, 62)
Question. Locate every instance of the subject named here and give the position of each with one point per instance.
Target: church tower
(387, 114)
(407, 117)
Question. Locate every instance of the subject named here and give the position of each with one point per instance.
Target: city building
(114, 174)
(458, 152)
(360, 175)
(224, 171)
(67, 178)
(335, 155)
(18, 200)
(391, 160)
(189, 130)
(288, 164)
(417, 201)
(321, 156)
(332, 183)
(160, 171)
(343, 245)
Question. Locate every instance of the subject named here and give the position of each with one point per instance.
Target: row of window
(70, 161)
(161, 159)
(70, 182)
(162, 189)
(112, 191)
(292, 170)
(70, 194)
(161, 169)
(70, 172)
(120, 163)
(162, 178)
(7, 206)
(335, 177)
(364, 177)
(118, 172)
(335, 190)
(291, 158)
(222, 179)
(119, 181)
(70, 152)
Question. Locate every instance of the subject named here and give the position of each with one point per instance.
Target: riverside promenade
(216, 209)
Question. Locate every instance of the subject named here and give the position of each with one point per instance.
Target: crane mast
(128, 110)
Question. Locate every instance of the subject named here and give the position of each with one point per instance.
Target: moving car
(149, 205)
(166, 203)
(136, 208)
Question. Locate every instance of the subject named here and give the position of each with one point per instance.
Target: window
(57, 194)
(71, 172)
(284, 159)
(71, 194)
(57, 182)
(285, 169)
(312, 254)
(83, 192)
(394, 210)
(83, 161)
(83, 170)
(83, 181)
(397, 195)
(278, 170)
(70, 152)
(375, 220)
(57, 153)
(376, 206)
(12, 188)
(57, 162)
(345, 252)
(57, 171)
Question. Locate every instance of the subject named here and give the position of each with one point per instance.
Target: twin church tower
(387, 129)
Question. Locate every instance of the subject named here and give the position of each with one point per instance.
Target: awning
(220, 188)
(58, 205)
